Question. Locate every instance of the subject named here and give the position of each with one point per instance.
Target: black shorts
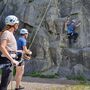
(19, 59)
(4, 60)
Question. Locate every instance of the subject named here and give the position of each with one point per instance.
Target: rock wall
(51, 53)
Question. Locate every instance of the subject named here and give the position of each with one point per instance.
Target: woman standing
(8, 47)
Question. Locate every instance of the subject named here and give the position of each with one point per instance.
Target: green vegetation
(35, 74)
(81, 78)
(0, 71)
(39, 74)
(14, 71)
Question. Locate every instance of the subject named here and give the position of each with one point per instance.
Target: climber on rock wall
(70, 27)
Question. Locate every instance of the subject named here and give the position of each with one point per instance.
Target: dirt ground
(49, 84)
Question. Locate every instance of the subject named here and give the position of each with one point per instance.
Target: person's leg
(6, 77)
(69, 38)
(19, 74)
(75, 36)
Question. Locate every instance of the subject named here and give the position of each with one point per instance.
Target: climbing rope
(38, 28)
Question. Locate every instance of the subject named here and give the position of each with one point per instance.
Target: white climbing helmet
(23, 31)
(11, 20)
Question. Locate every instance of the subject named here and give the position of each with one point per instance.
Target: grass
(40, 75)
(14, 71)
(0, 71)
(80, 78)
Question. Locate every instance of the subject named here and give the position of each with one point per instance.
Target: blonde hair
(7, 27)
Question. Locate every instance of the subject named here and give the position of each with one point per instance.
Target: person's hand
(27, 57)
(29, 52)
(16, 63)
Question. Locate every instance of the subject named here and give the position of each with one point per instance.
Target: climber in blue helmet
(71, 29)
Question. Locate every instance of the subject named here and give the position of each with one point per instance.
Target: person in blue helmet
(71, 30)
(22, 45)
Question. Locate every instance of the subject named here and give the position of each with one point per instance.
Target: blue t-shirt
(20, 43)
(70, 28)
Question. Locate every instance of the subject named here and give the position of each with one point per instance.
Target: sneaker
(21, 87)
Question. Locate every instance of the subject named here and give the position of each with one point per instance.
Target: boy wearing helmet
(21, 43)
(8, 47)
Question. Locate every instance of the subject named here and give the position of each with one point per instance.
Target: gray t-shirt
(11, 41)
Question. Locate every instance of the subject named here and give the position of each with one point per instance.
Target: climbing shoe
(17, 89)
(21, 87)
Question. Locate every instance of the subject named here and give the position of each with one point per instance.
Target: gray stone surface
(50, 47)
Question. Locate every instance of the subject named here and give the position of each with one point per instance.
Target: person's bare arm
(78, 23)
(65, 26)
(27, 55)
(26, 50)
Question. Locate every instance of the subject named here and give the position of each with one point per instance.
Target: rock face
(50, 47)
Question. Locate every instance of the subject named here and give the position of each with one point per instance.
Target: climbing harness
(4, 65)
